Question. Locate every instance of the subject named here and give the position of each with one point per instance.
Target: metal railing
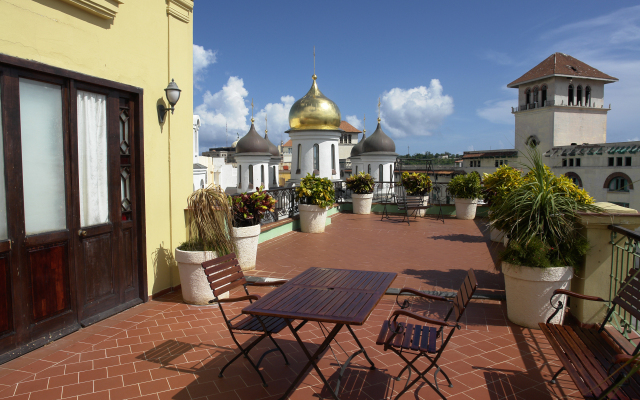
(383, 192)
(625, 259)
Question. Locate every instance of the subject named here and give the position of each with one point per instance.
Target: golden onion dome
(314, 112)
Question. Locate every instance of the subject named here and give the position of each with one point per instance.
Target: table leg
(361, 348)
(312, 359)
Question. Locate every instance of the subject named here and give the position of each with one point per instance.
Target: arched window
(333, 158)
(575, 178)
(356, 170)
(274, 176)
(380, 173)
(535, 94)
(579, 95)
(251, 175)
(543, 100)
(618, 182)
(299, 156)
(239, 175)
(587, 96)
(316, 158)
(349, 138)
(527, 96)
(342, 138)
(570, 94)
(369, 169)
(201, 184)
(262, 175)
(390, 173)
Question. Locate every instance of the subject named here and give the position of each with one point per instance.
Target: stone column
(594, 277)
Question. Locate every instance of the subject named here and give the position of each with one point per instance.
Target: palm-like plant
(539, 218)
(211, 219)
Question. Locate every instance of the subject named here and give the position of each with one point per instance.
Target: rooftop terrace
(165, 349)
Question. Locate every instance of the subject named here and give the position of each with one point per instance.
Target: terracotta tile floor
(165, 349)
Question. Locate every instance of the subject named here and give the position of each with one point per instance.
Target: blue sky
(441, 68)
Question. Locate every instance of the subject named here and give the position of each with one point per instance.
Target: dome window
(570, 94)
(316, 159)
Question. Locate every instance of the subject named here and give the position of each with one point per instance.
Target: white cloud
(497, 111)
(202, 58)
(354, 121)
(470, 148)
(278, 118)
(635, 139)
(417, 111)
(498, 57)
(228, 108)
(224, 107)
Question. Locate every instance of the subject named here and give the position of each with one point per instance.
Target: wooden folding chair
(224, 274)
(422, 340)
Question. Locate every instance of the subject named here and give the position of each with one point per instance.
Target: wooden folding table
(338, 296)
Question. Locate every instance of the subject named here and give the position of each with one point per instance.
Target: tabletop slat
(327, 295)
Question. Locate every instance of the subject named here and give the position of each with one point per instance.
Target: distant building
(561, 111)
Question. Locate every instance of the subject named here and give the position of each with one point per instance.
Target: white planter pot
(246, 239)
(496, 235)
(312, 218)
(425, 201)
(362, 203)
(466, 208)
(193, 281)
(529, 290)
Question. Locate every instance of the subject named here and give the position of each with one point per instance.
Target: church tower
(560, 102)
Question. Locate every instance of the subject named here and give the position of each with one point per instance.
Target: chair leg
(245, 352)
(553, 380)
(286, 362)
(420, 376)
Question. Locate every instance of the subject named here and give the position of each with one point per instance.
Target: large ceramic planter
(193, 281)
(362, 203)
(312, 218)
(466, 208)
(529, 290)
(425, 201)
(246, 239)
(496, 235)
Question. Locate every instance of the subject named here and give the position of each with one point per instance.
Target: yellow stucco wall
(142, 46)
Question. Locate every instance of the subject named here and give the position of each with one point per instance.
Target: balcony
(165, 349)
(551, 103)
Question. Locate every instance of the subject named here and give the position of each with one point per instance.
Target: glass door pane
(4, 235)
(42, 156)
(92, 158)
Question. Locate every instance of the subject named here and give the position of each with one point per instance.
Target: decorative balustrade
(625, 260)
(552, 103)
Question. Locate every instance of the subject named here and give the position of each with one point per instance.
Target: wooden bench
(590, 355)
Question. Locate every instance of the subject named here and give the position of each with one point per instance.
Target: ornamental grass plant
(465, 186)
(416, 184)
(540, 217)
(249, 208)
(317, 191)
(360, 183)
(211, 218)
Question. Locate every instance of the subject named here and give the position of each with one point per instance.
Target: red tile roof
(289, 143)
(560, 64)
(347, 127)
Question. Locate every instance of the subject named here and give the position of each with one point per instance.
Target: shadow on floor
(453, 278)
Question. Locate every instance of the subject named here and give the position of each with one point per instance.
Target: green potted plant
(248, 211)
(545, 246)
(496, 187)
(417, 185)
(316, 195)
(361, 186)
(465, 190)
(209, 236)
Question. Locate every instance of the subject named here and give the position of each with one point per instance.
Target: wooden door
(38, 201)
(106, 276)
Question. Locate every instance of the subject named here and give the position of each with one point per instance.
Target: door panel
(6, 315)
(128, 262)
(49, 281)
(98, 267)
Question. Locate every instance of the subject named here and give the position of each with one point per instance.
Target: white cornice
(100, 8)
(180, 9)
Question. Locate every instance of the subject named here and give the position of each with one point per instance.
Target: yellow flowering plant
(316, 191)
(500, 183)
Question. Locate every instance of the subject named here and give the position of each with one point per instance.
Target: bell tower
(560, 102)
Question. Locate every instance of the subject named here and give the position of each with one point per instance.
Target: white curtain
(92, 158)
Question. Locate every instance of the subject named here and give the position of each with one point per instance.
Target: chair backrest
(465, 293)
(224, 274)
(628, 297)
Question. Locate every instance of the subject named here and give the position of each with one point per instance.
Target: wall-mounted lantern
(173, 95)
